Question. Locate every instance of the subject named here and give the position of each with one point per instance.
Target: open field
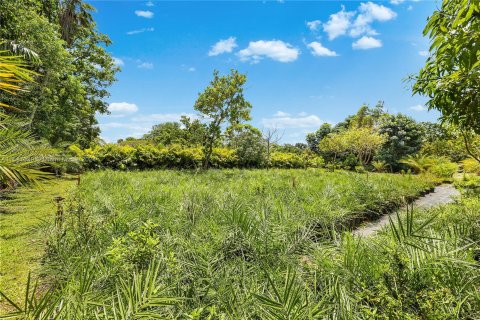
(256, 244)
(22, 244)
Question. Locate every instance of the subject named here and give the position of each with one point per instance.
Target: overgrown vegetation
(265, 244)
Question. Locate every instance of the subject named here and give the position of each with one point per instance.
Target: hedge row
(175, 156)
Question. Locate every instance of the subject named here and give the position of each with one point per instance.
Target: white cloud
(313, 25)
(366, 43)
(338, 23)
(144, 13)
(149, 4)
(140, 31)
(423, 53)
(370, 12)
(282, 114)
(273, 49)
(418, 108)
(122, 107)
(396, 1)
(320, 51)
(410, 8)
(192, 69)
(146, 65)
(118, 61)
(223, 46)
(285, 120)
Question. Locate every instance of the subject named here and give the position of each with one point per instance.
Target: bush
(286, 160)
(444, 169)
(471, 166)
(223, 158)
(147, 156)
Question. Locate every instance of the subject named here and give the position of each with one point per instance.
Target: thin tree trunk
(469, 151)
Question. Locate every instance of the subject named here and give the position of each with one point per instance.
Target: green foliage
(313, 139)
(72, 71)
(363, 142)
(136, 249)
(248, 144)
(222, 102)
(450, 75)
(403, 138)
(438, 166)
(444, 170)
(379, 166)
(286, 160)
(261, 248)
(471, 166)
(145, 156)
(187, 133)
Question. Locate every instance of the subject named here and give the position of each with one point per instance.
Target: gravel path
(441, 195)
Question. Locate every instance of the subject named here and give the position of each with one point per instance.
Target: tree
(451, 75)
(74, 69)
(403, 137)
(21, 156)
(166, 133)
(222, 103)
(195, 131)
(363, 142)
(313, 139)
(335, 144)
(248, 143)
(271, 137)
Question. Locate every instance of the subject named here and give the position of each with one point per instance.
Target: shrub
(471, 166)
(444, 169)
(223, 158)
(136, 249)
(286, 160)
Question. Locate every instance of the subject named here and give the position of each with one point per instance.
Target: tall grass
(259, 245)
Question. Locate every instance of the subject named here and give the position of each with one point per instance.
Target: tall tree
(222, 103)
(451, 75)
(314, 138)
(404, 137)
(74, 69)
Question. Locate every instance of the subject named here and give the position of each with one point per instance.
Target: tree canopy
(222, 103)
(451, 75)
(73, 69)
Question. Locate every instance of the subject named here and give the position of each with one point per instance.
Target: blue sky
(306, 62)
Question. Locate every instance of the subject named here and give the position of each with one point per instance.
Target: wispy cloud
(122, 107)
(423, 53)
(117, 61)
(274, 49)
(146, 65)
(144, 13)
(285, 120)
(140, 31)
(223, 46)
(365, 43)
(149, 4)
(319, 50)
(418, 108)
(313, 25)
(370, 12)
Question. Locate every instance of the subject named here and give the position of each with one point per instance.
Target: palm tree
(73, 15)
(21, 156)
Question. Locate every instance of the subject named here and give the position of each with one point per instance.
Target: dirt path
(441, 195)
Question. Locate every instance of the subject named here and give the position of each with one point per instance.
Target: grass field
(240, 244)
(22, 243)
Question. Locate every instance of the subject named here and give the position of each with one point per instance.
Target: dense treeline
(372, 139)
(72, 68)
